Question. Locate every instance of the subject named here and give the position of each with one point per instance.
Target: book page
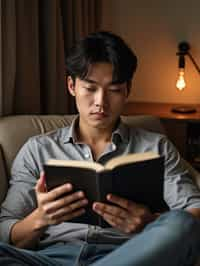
(130, 158)
(74, 163)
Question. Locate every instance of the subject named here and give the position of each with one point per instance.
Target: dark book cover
(141, 182)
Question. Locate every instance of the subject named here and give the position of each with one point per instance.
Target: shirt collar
(120, 133)
(70, 135)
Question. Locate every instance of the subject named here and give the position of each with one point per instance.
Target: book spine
(98, 190)
(104, 187)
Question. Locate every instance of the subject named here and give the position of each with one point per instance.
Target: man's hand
(54, 207)
(58, 205)
(125, 215)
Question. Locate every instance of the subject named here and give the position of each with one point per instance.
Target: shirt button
(87, 156)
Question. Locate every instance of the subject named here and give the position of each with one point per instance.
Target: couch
(15, 130)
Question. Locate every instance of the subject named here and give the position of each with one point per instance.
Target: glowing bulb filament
(180, 84)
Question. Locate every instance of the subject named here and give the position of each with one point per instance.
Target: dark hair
(101, 47)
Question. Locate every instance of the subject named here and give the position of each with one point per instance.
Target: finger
(67, 217)
(41, 183)
(68, 209)
(125, 226)
(114, 221)
(102, 208)
(59, 191)
(64, 201)
(124, 203)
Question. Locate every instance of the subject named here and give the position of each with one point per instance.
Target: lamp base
(183, 109)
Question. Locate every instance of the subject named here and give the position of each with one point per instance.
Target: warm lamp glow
(183, 50)
(180, 84)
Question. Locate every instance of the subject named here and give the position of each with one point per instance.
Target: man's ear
(71, 85)
(129, 85)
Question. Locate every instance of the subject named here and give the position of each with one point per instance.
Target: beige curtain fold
(35, 37)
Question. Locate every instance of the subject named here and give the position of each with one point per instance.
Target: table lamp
(183, 50)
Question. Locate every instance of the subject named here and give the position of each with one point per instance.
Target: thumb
(41, 183)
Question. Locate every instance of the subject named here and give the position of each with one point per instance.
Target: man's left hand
(125, 215)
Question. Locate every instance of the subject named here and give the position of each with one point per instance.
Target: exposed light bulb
(180, 84)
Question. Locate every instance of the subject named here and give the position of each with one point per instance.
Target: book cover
(137, 177)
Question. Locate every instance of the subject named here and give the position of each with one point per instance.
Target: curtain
(35, 38)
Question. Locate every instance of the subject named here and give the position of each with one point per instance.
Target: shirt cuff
(5, 230)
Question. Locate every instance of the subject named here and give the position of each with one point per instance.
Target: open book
(137, 177)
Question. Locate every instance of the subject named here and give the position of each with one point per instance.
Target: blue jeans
(173, 239)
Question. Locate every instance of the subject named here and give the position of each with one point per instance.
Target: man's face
(98, 100)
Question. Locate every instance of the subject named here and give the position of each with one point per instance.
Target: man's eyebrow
(90, 81)
(95, 82)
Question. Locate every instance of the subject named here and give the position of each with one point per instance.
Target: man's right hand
(56, 206)
(59, 205)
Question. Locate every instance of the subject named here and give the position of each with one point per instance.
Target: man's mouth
(99, 114)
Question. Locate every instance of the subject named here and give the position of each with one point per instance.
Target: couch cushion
(15, 130)
(147, 122)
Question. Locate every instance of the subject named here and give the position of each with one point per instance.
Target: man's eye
(90, 89)
(115, 89)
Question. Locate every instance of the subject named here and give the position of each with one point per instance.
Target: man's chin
(102, 123)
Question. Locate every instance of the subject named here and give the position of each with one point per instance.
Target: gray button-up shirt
(179, 190)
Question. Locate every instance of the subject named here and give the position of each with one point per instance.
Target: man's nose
(101, 98)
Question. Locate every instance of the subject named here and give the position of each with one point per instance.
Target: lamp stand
(183, 50)
(183, 109)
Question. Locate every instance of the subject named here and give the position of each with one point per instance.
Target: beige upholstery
(15, 130)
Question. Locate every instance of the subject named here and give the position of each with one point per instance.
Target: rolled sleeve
(20, 199)
(5, 229)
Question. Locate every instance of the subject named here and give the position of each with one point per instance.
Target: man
(35, 226)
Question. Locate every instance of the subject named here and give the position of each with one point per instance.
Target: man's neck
(93, 136)
(97, 140)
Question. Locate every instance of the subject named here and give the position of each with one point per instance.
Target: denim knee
(180, 217)
(180, 223)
